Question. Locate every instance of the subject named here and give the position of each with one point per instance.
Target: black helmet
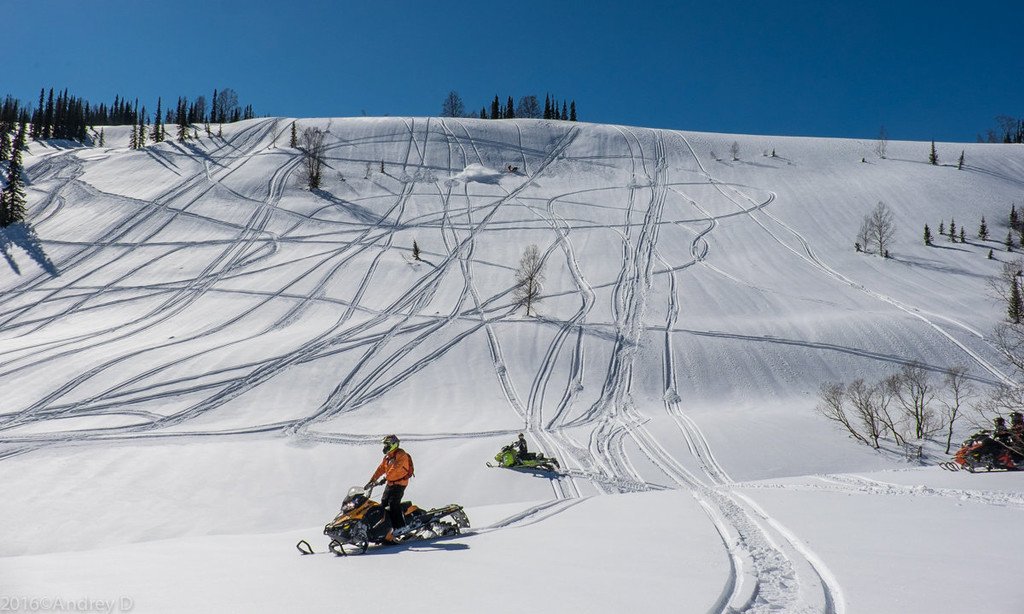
(521, 436)
(999, 421)
(390, 443)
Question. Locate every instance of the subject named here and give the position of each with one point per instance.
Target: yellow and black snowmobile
(363, 521)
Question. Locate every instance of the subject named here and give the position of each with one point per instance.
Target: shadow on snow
(22, 235)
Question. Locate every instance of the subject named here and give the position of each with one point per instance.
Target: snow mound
(480, 174)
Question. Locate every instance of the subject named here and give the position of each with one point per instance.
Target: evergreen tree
(214, 110)
(102, 138)
(963, 239)
(983, 230)
(1014, 221)
(952, 230)
(143, 128)
(510, 111)
(133, 140)
(927, 235)
(47, 131)
(415, 250)
(1015, 308)
(295, 139)
(37, 118)
(5, 141)
(57, 125)
(182, 121)
(942, 228)
(1009, 241)
(158, 128)
(495, 108)
(933, 157)
(990, 255)
(547, 106)
(13, 195)
(960, 163)
(483, 112)
(572, 111)
(565, 112)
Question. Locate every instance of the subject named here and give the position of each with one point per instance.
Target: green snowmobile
(510, 458)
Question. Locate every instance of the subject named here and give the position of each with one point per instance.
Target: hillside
(200, 356)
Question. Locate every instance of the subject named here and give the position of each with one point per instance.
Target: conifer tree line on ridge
(528, 107)
(60, 115)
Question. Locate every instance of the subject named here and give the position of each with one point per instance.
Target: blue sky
(925, 70)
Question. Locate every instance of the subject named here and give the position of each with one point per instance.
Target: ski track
(764, 577)
(858, 485)
(602, 438)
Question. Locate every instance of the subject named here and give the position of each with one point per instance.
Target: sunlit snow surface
(199, 356)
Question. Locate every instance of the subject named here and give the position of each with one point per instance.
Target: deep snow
(199, 357)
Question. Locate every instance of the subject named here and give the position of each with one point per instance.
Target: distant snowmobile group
(999, 449)
(363, 522)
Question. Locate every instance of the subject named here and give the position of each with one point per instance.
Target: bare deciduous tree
(528, 107)
(313, 150)
(833, 406)
(867, 403)
(452, 105)
(895, 426)
(529, 277)
(961, 389)
(878, 228)
(912, 389)
(864, 236)
(227, 105)
(882, 144)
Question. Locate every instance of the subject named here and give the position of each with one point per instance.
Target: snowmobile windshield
(356, 497)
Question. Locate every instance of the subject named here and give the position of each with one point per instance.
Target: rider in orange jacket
(396, 468)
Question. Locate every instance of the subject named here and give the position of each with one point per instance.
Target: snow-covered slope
(199, 357)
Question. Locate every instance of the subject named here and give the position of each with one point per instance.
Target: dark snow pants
(392, 501)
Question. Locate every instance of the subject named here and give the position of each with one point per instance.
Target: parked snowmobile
(982, 452)
(363, 521)
(509, 458)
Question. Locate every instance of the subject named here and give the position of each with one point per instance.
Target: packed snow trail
(214, 299)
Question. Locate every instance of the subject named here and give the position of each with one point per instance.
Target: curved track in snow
(190, 313)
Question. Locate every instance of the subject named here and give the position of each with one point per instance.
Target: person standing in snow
(396, 469)
(999, 431)
(1017, 432)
